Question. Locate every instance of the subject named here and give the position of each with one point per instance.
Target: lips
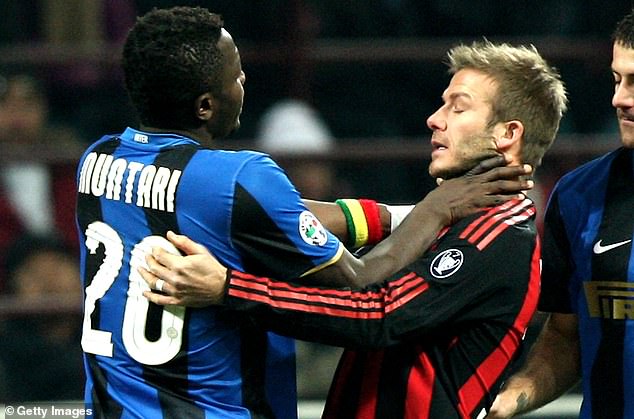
(437, 145)
(626, 117)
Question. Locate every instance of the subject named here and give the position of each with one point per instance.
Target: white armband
(398, 214)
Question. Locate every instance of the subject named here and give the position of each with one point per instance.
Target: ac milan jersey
(146, 361)
(452, 322)
(589, 271)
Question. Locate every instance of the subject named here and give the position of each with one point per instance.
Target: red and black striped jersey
(433, 341)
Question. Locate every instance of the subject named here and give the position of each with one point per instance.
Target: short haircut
(171, 57)
(624, 32)
(528, 90)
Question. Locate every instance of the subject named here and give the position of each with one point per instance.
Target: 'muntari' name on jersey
(154, 187)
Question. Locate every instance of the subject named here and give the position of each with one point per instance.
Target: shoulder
(585, 187)
(513, 218)
(243, 158)
(591, 172)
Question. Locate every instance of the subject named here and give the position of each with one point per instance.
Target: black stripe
(170, 379)
(348, 386)
(252, 230)
(607, 371)
(253, 349)
(103, 405)
(176, 158)
(392, 389)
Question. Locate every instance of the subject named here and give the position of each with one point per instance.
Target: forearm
(409, 241)
(372, 317)
(333, 218)
(552, 368)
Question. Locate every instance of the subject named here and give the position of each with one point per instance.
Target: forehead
(471, 84)
(622, 59)
(226, 45)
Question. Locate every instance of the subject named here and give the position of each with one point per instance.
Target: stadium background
(371, 72)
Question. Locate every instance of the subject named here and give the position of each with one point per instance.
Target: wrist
(225, 291)
(363, 221)
(443, 216)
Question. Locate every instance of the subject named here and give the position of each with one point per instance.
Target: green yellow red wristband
(355, 222)
(373, 220)
(352, 234)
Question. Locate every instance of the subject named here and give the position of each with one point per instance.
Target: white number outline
(99, 342)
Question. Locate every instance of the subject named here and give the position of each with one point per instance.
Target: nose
(436, 121)
(243, 77)
(623, 95)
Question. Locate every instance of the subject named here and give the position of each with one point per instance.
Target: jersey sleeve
(557, 266)
(465, 278)
(271, 227)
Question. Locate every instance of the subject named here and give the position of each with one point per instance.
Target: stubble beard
(481, 148)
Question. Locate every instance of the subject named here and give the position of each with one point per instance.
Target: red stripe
(420, 386)
(489, 371)
(349, 298)
(495, 219)
(328, 311)
(348, 303)
(369, 386)
(343, 292)
(478, 220)
(516, 219)
(334, 401)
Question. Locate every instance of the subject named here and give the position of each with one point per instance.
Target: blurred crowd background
(338, 91)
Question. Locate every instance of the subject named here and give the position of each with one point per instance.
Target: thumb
(185, 244)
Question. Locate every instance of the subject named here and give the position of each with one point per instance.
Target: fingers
(506, 172)
(488, 164)
(185, 244)
(162, 264)
(510, 186)
(160, 299)
(155, 282)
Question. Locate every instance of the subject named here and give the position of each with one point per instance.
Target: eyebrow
(457, 95)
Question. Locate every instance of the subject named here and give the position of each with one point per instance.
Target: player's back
(143, 360)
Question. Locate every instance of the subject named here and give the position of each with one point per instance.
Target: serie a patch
(311, 230)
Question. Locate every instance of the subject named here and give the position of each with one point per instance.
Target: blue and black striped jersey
(146, 361)
(589, 271)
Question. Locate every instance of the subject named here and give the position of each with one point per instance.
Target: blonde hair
(528, 90)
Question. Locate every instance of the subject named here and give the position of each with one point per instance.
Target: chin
(446, 173)
(627, 137)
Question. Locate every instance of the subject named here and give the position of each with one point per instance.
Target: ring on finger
(159, 285)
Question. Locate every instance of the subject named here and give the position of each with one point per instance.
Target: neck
(198, 134)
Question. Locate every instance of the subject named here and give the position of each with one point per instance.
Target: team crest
(311, 229)
(446, 263)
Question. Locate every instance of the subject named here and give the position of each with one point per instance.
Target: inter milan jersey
(452, 322)
(589, 271)
(146, 361)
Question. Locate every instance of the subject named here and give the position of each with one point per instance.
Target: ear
(204, 106)
(509, 138)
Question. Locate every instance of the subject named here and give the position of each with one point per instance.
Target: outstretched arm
(452, 200)
(413, 303)
(552, 368)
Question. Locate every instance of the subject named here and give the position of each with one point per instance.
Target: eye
(617, 78)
